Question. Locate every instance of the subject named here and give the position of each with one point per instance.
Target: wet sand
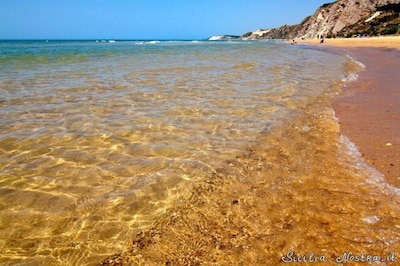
(267, 203)
(369, 109)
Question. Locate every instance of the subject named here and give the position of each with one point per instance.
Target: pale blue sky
(146, 19)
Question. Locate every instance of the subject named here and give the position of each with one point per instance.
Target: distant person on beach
(322, 40)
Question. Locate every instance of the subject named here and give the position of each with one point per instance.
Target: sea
(102, 141)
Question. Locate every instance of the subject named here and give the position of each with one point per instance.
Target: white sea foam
(358, 63)
(373, 219)
(375, 177)
(352, 150)
(350, 77)
(357, 66)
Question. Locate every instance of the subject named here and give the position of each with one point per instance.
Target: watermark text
(292, 257)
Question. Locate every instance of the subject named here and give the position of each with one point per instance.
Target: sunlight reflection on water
(97, 142)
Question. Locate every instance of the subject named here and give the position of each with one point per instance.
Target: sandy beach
(377, 42)
(369, 109)
(137, 155)
(265, 203)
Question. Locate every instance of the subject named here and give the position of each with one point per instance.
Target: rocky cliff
(343, 18)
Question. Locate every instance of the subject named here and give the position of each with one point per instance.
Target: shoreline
(368, 109)
(260, 206)
(370, 42)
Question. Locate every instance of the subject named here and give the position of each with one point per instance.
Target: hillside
(342, 18)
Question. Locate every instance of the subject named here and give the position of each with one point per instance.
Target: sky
(146, 19)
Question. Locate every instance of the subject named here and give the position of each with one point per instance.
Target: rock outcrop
(223, 38)
(344, 18)
(255, 35)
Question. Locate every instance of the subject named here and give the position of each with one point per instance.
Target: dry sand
(369, 109)
(377, 42)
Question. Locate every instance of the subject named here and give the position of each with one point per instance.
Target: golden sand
(367, 109)
(378, 42)
(265, 204)
(369, 112)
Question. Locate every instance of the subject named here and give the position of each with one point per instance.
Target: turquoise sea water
(98, 139)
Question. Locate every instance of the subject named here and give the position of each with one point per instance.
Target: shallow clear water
(98, 140)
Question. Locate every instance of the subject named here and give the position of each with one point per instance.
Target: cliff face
(343, 18)
(331, 19)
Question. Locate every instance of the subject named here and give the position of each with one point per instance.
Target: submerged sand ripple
(269, 202)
